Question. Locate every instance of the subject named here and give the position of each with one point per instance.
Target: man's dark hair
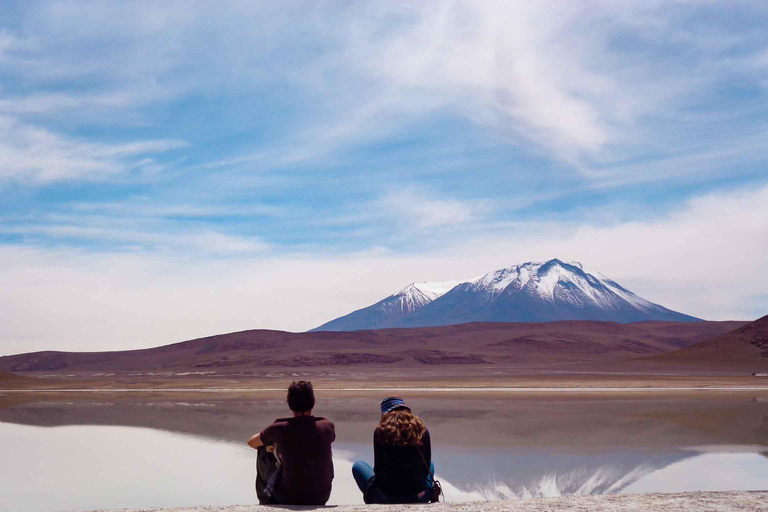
(301, 396)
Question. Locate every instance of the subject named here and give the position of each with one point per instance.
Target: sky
(171, 170)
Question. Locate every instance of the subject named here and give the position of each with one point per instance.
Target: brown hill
(9, 377)
(475, 345)
(745, 347)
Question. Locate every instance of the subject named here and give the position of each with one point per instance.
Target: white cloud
(505, 65)
(147, 208)
(200, 242)
(553, 76)
(418, 211)
(7, 43)
(706, 259)
(219, 243)
(37, 155)
(83, 104)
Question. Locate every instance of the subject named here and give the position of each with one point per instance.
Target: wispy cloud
(569, 80)
(555, 74)
(73, 102)
(144, 208)
(201, 241)
(7, 43)
(419, 211)
(587, 84)
(38, 155)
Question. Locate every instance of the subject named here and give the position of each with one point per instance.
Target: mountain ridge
(529, 292)
(502, 346)
(746, 346)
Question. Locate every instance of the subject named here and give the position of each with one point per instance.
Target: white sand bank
(698, 501)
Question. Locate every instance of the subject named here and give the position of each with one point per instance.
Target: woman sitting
(403, 471)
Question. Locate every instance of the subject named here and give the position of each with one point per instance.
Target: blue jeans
(363, 472)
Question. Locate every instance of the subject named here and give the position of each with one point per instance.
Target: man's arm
(255, 441)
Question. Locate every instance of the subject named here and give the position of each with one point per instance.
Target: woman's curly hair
(400, 428)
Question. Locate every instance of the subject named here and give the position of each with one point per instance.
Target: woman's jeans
(363, 473)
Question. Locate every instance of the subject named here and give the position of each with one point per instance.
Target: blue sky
(175, 169)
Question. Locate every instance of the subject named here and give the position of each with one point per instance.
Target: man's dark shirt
(400, 470)
(304, 447)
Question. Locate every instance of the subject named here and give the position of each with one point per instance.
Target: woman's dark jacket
(401, 472)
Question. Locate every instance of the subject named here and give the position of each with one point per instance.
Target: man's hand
(255, 441)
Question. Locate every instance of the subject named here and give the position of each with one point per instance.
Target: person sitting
(403, 471)
(303, 447)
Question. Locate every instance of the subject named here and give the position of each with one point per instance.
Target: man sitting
(303, 443)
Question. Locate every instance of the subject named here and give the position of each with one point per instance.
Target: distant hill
(745, 347)
(530, 292)
(9, 377)
(498, 345)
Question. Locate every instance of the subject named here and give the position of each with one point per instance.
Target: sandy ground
(699, 501)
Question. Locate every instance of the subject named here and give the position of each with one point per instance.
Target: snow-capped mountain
(530, 292)
(417, 295)
(380, 315)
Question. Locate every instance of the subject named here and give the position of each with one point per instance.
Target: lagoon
(70, 453)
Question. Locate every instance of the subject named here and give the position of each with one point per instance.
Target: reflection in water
(169, 453)
(710, 471)
(536, 475)
(84, 468)
(595, 474)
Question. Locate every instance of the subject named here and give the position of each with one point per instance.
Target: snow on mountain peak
(568, 281)
(532, 291)
(499, 279)
(418, 294)
(436, 288)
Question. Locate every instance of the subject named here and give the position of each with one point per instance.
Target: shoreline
(714, 501)
(585, 389)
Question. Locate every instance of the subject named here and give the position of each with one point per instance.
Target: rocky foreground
(698, 501)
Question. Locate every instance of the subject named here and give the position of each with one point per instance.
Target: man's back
(304, 447)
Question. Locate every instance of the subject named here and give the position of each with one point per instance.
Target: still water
(60, 454)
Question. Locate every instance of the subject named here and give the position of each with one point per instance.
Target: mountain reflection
(512, 476)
